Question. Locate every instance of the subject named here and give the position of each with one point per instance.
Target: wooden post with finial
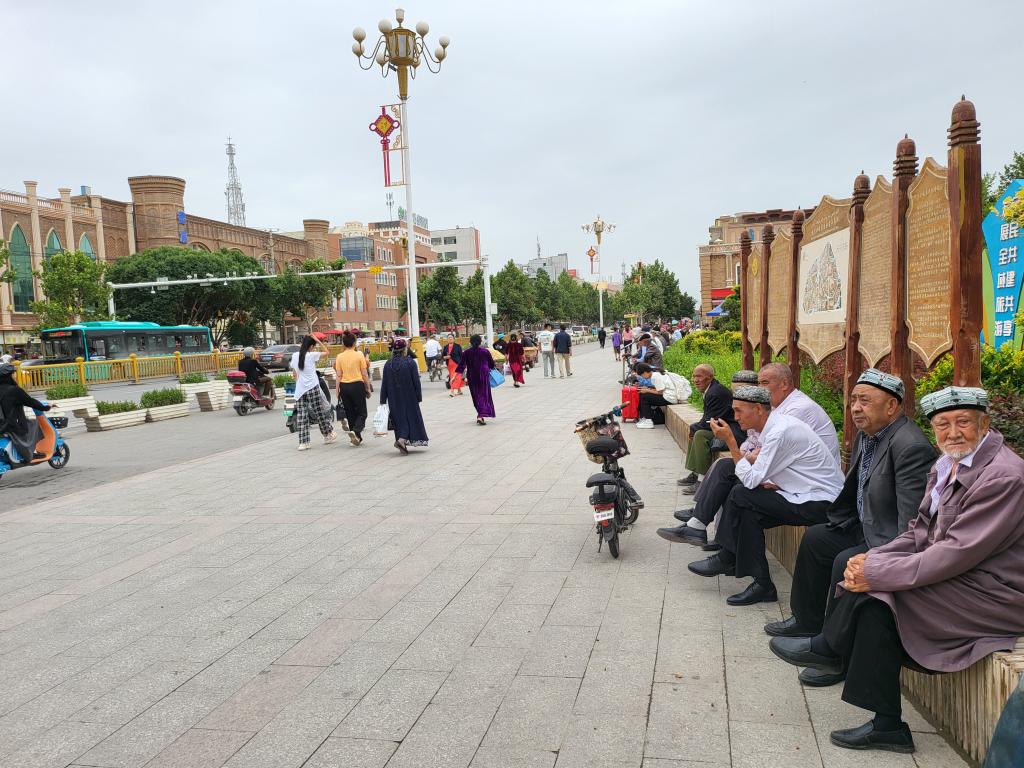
(767, 238)
(792, 346)
(965, 244)
(904, 171)
(853, 362)
(748, 348)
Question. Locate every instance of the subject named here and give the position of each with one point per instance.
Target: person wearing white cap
(939, 597)
(883, 488)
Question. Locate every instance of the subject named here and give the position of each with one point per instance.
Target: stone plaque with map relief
(755, 271)
(824, 274)
(928, 285)
(779, 298)
(874, 310)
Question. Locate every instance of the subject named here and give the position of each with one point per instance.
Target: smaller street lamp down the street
(598, 227)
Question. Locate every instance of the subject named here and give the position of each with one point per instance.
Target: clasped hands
(854, 579)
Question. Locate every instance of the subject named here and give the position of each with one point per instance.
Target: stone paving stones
(443, 610)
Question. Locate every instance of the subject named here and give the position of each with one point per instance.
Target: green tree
(441, 296)
(730, 319)
(666, 298)
(307, 297)
(547, 295)
(514, 294)
(471, 299)
(687, 306)
(1011, 171)
(75, 290)
(988, 193)
(566, 298)
(7, 273)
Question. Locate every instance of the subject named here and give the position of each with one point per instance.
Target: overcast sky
(657, 115)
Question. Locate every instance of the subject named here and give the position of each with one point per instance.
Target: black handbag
(339, 411)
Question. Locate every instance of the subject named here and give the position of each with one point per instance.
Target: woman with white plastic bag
(310, 403)
(400, 391)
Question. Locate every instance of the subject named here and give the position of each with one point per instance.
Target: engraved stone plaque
(779, 298)
(874, 310)
(928, 284)
(824, 274)
(755, 271)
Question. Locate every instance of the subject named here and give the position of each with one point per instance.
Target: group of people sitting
(913, 558)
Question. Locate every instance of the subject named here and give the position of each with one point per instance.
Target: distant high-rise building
(553, 265)
(458, 244)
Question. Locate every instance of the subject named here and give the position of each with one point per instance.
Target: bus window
(135, 343)
(195, 343)
(160, 343)
(115, 345)
(97, 348)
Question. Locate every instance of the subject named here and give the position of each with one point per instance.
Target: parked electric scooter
(245, 397)
(51, 445)
(616, 503)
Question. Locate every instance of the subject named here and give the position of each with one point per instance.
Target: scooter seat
(601, 478)
(603, 446)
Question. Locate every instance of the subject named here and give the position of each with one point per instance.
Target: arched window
(85, 246)
(267, 263)
(21, 261)
(200, 247)
(53, 245)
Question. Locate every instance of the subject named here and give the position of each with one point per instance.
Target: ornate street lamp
(402, 50)
(598, 227)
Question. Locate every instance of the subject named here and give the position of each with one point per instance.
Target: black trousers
(820, 564)
(746, 514)
(714, 490)
(863, 631)
(353, 397)
(648, 403)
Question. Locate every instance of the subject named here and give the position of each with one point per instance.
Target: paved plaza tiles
(355, 608)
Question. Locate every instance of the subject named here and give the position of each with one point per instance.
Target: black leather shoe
(712, 547)
(788, 628)
(673, 534)
(812, 678)
(690, 479)
(690, 490)
(866, 737)
(688, 535)
(713, 566)
(755, 593)
(797, 651)
(683, 515)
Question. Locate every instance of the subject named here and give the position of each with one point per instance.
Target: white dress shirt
(813, 415)
(432, 348)
(794, 458)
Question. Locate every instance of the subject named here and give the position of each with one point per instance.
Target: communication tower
(233, 191)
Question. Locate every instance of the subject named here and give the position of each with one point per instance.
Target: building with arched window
(21, 262)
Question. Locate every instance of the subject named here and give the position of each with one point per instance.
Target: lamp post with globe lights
(598, 227)
(402, 51)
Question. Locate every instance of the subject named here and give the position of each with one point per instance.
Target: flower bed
(115, 415)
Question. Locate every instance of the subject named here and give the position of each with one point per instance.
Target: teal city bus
(114, 340)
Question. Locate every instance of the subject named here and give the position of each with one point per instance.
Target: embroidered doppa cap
(757, 395)
(745, 377)
(398, 344)
(884, 381)
(954, 398)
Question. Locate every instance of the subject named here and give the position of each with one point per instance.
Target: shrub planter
(76, 406)
(216, 397)
(114, 420)
(376, 369)
(164, 412)
(191, 390)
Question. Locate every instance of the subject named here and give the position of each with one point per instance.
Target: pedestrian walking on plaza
(353, 386)
(546, 339)
(563, 351)
(400, 391)
(452, 354)
(515, 355)
(310, 403)
(476, 366)
(617, 343)
(601, 336)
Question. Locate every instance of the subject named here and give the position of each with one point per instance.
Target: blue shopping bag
(497, 378)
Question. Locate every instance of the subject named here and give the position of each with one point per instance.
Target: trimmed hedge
(193, 378)
(378, 356)
(281, 379)
(107, 407)
(157, 397)
(66, 391)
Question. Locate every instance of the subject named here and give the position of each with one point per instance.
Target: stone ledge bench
(965, 704)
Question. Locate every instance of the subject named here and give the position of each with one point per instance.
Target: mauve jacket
(955, 581)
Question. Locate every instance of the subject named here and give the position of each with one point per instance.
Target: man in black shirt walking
(563, 352)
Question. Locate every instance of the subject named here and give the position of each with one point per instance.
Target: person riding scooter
(24, 433)
(256, 373)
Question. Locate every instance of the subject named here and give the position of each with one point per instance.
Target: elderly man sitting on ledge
(939, 597)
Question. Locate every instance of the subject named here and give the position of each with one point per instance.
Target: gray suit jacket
(894, 488)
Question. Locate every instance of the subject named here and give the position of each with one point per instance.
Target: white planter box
(215, 397)
(163, 412)
(75, 406)
(376, 369)
(114, 421)
(190, 390)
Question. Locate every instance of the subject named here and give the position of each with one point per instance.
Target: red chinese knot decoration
(384, 126)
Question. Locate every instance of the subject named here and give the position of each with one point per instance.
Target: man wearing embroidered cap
(939, 597)
(792, 479)
(883, 488)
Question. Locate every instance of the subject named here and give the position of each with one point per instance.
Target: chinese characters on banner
(1005, 247)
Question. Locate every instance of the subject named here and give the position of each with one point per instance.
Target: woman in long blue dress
(400, 391)
(476, 367)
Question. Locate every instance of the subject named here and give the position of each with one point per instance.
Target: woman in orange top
(452, 355)
(354, 387)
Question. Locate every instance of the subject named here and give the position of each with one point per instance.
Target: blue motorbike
(52, 447)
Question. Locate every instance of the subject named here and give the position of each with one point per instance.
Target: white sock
(699, 478)
(696, 524)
